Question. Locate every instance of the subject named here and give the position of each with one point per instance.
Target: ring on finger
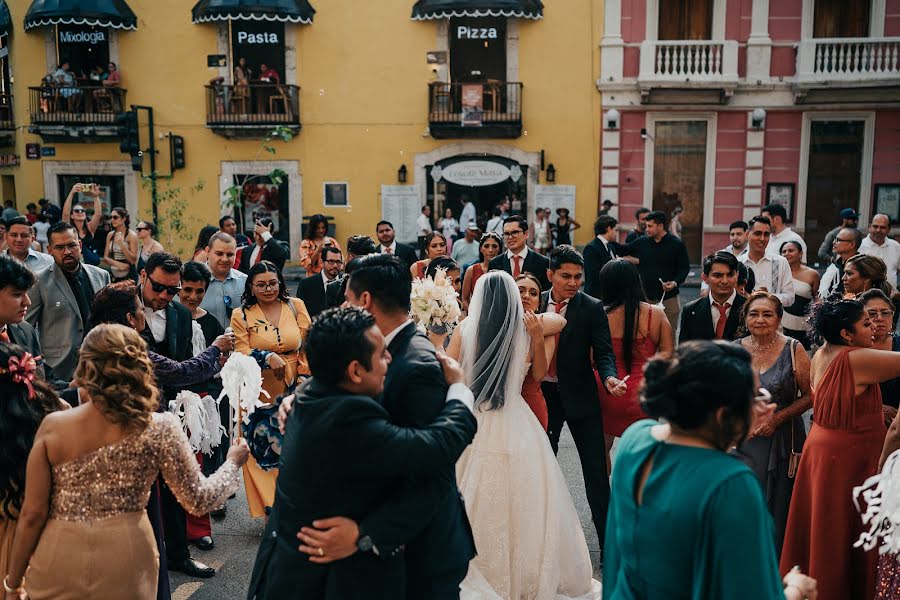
(321, 552)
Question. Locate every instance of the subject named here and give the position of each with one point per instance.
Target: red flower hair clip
(21, 370)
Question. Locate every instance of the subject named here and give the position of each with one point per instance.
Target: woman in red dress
(488, 248)
(543, 330)
(842, 451)
(435, 246)
(638, 330)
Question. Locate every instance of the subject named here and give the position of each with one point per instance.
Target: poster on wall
(887, 200)
(783, 194)
(553, 197)
(472, 104)
(401, 205)
(262, 199)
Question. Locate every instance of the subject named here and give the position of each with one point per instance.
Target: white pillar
(612, 46)
(759, 45)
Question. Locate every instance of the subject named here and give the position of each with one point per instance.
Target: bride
(529, 537)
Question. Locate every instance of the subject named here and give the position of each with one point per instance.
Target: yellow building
(377, 93)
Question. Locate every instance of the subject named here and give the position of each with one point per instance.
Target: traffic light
(176, 147)
(130, 139)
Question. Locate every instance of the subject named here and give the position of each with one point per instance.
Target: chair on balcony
(280, 97)
(240, 99)
(492, 94)
(442, 99)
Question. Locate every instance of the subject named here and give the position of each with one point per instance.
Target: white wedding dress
(527, 533)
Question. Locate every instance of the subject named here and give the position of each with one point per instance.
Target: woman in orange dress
(270, 327)
(435, 246)
(841, 452)
(311, 247)
(489, 248)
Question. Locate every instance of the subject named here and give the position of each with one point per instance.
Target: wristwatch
(364, 543)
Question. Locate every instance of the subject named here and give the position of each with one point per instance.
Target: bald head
(879, 228)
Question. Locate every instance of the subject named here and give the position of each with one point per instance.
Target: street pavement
(237, 536)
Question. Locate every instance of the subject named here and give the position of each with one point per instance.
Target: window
(261, 199)
(84, 47)
(255, 44)
(477, 49)
(840, 18)
(685, 19)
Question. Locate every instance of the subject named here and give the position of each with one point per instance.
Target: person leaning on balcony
(68, 88)
(241, 95)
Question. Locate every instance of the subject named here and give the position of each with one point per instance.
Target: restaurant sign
(9, 160)
(475, 173)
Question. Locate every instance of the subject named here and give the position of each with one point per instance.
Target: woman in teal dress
(686, 519)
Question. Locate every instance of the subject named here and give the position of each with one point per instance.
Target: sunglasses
(160, 288)
(142, 228)
(77, 210)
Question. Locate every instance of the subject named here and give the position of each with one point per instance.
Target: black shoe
(218, 513)
(204, 543)
(192, 568)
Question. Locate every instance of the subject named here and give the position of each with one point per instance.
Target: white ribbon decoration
(242, 383)
(881, 493)
(188, 407)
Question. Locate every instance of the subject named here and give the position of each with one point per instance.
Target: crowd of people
(393, 457)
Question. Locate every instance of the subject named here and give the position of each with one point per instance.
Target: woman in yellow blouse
(311, 246)
(269, 327)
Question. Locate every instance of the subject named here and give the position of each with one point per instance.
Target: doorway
(477, 49)
(685, 20)
(839, 18)
(679, 177)
(834, 175)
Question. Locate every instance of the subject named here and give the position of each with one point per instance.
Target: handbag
(794, 461)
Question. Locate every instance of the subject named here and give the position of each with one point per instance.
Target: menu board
(401, 205)
(553, 197)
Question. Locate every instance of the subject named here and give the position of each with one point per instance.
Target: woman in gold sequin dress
(83, 531)
(269, 327)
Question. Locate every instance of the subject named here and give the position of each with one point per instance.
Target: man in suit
(265, 248)
(15, 281)
(344, 453)
(427, 514)
(717, 315)
(519, 258)
(569, 387)
(357, 246)
(312, 289)
(598, 252)
(61, 300)
(168, 332)
(387, 244)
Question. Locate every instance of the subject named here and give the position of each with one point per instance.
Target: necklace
(757, 348)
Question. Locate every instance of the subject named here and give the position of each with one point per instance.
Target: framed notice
(400, 204)
(887, 200)
(554, 197)
(336, 193)
(783, 194)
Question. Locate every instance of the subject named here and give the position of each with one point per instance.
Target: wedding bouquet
(434, 303)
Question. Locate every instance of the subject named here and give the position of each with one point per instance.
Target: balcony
(251, 111)
(840, 69)
(475, 110)
(75, 113)
(7, 123)
(688, 71)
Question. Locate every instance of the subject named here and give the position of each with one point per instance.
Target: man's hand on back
(329, 539)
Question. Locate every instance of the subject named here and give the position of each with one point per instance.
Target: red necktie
(258, 257)
(517, 270)
(551, 371)
(387, 251)
(4, 335)
(723, 318)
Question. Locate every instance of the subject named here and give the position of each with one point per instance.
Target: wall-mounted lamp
(646, 136)
(401, 174)
(550, 173)
(758, 118)
(612, 119)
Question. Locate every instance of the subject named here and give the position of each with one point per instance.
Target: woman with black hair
(203, 242)
(806, 287)
(686, 519)
(146, 232)
(638, 330)
(435, 247)
(270, 326)
(26, 400)
(842, 450)
(315, 239)
(121, 246)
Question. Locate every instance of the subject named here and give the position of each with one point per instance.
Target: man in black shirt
(640, 224)
(662, 261)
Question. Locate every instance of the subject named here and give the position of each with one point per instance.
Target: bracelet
(10, 590)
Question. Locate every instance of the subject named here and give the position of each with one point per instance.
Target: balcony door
(680, 176)
(685, 20)
(477, 49)
(841, 18)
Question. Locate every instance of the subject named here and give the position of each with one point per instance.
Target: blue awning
(444, 9)
(98, 13)
(287, 11)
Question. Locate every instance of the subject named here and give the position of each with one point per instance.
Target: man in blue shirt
(224, 292)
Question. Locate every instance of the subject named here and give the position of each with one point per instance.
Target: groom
(569, 387)
(426, 515)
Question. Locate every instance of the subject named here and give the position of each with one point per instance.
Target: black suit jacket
(696, 320)
(428, 514)
(177, 344)
(586, 330)
(534, 263)
(25, 335)
(596, 255)
(312, 291)
(406, 254)
(273, 251)
(342, 455)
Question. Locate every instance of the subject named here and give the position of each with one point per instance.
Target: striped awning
(5, 19)
(286, 11)
(444, 9)
(97, 13)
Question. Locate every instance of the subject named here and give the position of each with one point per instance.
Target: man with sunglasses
(61, 300)
(519, 258)
(168, 332)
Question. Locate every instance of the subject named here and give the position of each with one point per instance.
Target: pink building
(720, 106)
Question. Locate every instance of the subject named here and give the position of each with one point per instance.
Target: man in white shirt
(781, 233)
(423, 227)
(772, 272)
(877, 243)
(495, 223)
(468, 213)
(465, 251)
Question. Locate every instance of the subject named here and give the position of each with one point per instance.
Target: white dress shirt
(787, 235)
(467, 216)
(512, 265)
(773, 273)
(393, 248)
(551, 308)
(257, 249)
(715, 311)
(156, 320)
(423, 224)
(606, 245)
(889, 252)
